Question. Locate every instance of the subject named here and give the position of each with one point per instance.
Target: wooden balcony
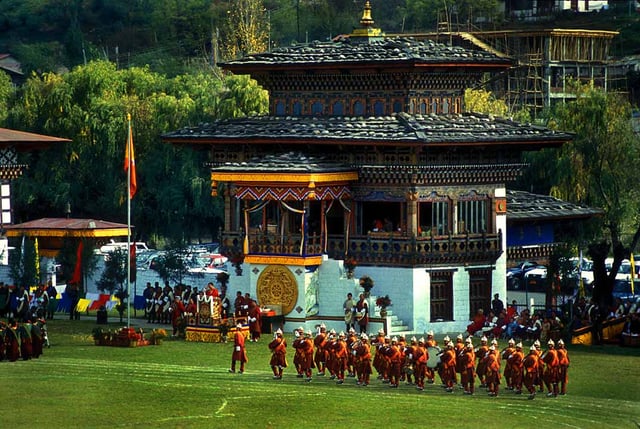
(392, 249)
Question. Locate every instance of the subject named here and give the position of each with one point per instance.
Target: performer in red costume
(278, 349)
(239, 350)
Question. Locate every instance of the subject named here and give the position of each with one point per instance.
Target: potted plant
(350, 264)
(383, 302)
(366, 283)
(101, 336)
(157, 335)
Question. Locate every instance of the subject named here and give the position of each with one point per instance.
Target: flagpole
(129, 144)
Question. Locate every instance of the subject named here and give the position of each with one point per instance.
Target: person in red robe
(255, 321)
(492, 364)
(530, 365)
(239, 351)
(278, 360)
(177, 310)
(563, 361)
(363, 360)
(468, 362)
(12, 341)
(551, 367)
(307, 359)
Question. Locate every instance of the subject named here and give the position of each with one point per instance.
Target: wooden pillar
(228, 212)
(412, 213)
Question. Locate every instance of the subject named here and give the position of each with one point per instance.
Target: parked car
(515, 275)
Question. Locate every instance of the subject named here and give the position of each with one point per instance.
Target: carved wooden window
(317, 108)
(378, 108)
(397, 106)
(441, 296)
(337, 109)
(423, 107)
(479, 291)
(434, 217)
(297, 108)
(358, 108)
(473, 214)
(446, 104)
(457, 105)
(280, 110)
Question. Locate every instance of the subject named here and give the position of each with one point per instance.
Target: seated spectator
(477, 323)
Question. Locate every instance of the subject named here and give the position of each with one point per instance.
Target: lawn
(187, 385)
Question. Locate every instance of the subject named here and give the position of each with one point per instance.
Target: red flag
(77, 272)
(132, 262)
(130, 163)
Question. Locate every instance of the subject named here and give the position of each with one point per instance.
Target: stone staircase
(396, 326)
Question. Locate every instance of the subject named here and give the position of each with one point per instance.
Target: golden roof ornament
(366, 20)
(366, 33)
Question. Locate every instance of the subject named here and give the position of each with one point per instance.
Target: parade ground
(178, 384)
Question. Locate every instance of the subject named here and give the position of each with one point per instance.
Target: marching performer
(307, 361)
(508, 370)
(420, 358)
(299, 355)
(551, 365)
(468, 362)
(340, 357)
(379, 362)
(481, 352)
(515, 362)
(239, 351)
(493, 371)
(530, 365)
(278, 349)
(431, 342)
(563, 362)
(448, 372)
(409, 360)
(320, 358)
(394, 357)
(362, 353)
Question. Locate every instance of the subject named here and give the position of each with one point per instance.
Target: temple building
(367, 156)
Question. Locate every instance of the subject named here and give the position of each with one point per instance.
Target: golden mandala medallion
(277, 285)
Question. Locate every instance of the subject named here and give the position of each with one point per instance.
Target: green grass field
(187, 385)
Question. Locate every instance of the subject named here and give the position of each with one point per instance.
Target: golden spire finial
(366, 20)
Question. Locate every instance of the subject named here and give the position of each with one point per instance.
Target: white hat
(512, 341)
(484, 339)
(551, 343)
(301, 329)
(413, 339)
(446, 339)
(468, 340)
(492, 348)
(450, 344)
(519, 345)
(536, 343)
(239, 326)
(323, 326)
(459, 337)
(560, 342)
(494, 342)
(352, 331)
(309, 333)
(279, 331)
(533, 348)
(469, 344)
(421, 340)
(430, 333)
(333, 331)
(394, 339)
(364, 337)
(381, 331)
(341, 334)
(388, 337)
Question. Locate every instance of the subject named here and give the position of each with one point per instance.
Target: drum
(434, 356)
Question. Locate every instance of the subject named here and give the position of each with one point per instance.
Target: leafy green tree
(246, 30)
(22, 264)
(172, 265)
(599, 169)
(114, 276)
(6, 91)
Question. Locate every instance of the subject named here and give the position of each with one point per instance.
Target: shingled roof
(397, 50)
(525, 206)
(431, 130)
(290, 162)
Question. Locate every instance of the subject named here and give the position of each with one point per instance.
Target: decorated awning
(286, 177)
(51, 231)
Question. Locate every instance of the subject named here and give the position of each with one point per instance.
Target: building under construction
(545, 60)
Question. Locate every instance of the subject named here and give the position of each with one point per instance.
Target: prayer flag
(130, 163)
(77, 272)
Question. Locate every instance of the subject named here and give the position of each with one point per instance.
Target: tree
(114, 276)
(599, 168)
(172, 265)
(482, 101)
(6, 89)
(246, 30)
(22, 264)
